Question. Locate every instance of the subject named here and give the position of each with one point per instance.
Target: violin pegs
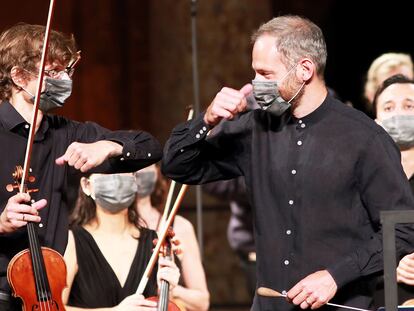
(10, 187)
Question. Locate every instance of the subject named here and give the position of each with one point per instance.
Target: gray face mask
(56, 92)
(145, 183)
(401, 129)
(114, 192)
(268, 96)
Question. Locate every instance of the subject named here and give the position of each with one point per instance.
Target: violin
(165, 234)
(164, 304)
(37, 275)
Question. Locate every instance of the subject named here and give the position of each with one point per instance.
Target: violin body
(22, 280)
(171, 305)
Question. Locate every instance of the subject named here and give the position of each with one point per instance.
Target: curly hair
(22, 45)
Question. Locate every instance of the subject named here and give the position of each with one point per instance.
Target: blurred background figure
(383, 67)
(191, 292)
(108, 250)
(240, 228)
(393, 106)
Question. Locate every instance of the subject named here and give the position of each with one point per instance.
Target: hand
(313, 291)
(84, 156)
(227, 103)
(136, 302)
(405, 270)
(16, 214)
(168, 271)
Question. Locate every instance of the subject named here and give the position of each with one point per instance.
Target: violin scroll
(17, 176)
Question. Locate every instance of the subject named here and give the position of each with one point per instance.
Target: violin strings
(35, 263)
(40, 274)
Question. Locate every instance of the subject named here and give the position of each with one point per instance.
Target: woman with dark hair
(108, 251)
(192, 292)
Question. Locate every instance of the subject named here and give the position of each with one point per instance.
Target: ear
(18, 77)
(306, 70)
(86, 186)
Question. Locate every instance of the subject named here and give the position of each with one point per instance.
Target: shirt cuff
(344, 271)
(198, 129)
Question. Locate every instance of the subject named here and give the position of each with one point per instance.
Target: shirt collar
(317, 114)
(13, 121)
(9, 116)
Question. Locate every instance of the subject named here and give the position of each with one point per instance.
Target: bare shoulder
(71, 240)
(183, 226)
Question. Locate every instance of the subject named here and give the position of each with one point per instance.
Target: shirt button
(26, 126)
(299, 142)
(288, 232)
(300, 121)
(181, 150)
(201, 132)
(303, 125)
(40, 225)
(286, 262)
(290, 202)
(204, 128)
(284, 292)
(128, 154)
(32, 201)
(198, 136)
(293, 172)
(122, 159)
(149, 154)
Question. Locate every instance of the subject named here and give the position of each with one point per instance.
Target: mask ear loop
(296, 94)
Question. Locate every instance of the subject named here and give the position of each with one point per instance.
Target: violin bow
(172, 185)
(161, 239)
(30, 139)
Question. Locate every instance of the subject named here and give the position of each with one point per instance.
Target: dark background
(136, 72)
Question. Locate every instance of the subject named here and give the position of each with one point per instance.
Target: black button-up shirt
(317, 185)
(53, 137)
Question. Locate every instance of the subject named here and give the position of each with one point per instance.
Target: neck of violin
(38, 264)
(164, 296)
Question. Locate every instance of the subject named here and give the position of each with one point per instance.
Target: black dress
(96, 285)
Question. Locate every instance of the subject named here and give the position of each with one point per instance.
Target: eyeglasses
(69, 70)
(59, 74)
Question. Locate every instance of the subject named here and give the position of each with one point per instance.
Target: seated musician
(108, 251)
(192, 292)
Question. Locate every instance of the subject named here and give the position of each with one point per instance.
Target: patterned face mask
(114, 192)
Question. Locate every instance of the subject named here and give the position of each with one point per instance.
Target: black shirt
(53, 137)
(317, 184)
